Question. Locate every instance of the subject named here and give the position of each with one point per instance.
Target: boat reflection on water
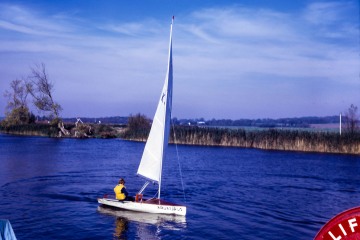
(143, 221)
(121, 227)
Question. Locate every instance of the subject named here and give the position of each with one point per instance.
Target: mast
(169, 79)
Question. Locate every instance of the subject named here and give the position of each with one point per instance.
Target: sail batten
(151, 162)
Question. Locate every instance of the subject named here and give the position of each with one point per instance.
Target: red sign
(344, 226)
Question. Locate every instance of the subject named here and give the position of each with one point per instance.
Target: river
(49, 187)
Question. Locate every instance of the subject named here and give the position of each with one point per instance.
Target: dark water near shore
(48, 190)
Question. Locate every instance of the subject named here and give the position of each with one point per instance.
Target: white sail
(151, 162)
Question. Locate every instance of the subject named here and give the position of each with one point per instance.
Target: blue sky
(232, 59)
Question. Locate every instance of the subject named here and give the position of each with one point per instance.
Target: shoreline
(269, 139)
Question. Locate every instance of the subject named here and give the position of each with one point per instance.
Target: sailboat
(151, 162)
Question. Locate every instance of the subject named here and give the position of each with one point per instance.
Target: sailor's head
(121, 181)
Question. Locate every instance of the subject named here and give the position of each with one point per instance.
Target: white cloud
(17, 28)
(267, 42)
(242, 22)
(133, 29)
(333, 19)
(323, 13)
(26, 21)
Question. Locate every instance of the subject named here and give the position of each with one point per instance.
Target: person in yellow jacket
(120, 191)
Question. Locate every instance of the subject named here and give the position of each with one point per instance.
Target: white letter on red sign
(352, 224)
(342, 229)
(333, 237)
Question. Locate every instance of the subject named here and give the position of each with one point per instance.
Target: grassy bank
(271, 139)
(80, 131)
(44, 130)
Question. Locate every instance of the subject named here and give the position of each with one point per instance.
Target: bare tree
(17, 95)
(17, 110)
(138, 122)
(41, 89)
(351, 119)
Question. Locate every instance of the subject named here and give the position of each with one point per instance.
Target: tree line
(296, 122)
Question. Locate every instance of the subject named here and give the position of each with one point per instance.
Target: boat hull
(150, 206)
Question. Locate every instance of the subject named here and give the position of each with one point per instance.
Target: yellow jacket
(118, 194)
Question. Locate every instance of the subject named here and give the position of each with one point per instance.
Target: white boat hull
(150, 206)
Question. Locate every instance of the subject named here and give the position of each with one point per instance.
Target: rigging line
(178, 159)
(155, 195)
(143, 188)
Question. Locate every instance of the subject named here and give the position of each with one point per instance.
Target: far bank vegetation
(272, 139)
(79, 130)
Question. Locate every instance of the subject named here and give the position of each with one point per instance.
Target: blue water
(49, 187)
